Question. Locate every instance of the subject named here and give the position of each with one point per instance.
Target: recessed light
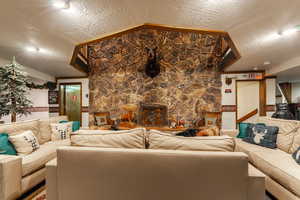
(255, 68)
(33, 49)
(62, 4)
(289, 31)
(267, 63)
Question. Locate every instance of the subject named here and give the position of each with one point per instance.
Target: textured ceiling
(249, 23)
(290, 75)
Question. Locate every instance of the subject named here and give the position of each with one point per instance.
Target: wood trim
(73, 60)
(229, 108)
(224, 34)
(247, 116)
(71, 77)
(152, 26)
(38, 109)
(243, 72)
(270, 108)
(85, 109)
(270, 77)
(54, 109)
(235, 50)
(262, 97)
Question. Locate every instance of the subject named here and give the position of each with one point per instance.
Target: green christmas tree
(13, 90)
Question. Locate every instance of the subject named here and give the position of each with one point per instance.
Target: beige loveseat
(139, 167)
(19, 174)
(281, 170)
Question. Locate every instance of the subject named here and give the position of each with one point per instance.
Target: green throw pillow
(75, 125)
(6, 146)
(243, 130)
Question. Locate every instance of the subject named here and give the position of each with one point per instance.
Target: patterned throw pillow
(262, 135)
(61, 131)
(296, 155)
(25, 143)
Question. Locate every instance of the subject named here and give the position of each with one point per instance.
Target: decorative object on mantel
(153, 115)
(127, 119)
(152, 68)
(213, 119)
(101, 118)
(13, 90)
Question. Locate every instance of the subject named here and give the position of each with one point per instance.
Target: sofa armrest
(51, 180)
(10, 177)
(230, 132)
(256, 184)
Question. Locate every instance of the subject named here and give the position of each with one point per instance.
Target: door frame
(59, 97)
(262, 97)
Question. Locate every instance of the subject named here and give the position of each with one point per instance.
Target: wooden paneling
(262, 98)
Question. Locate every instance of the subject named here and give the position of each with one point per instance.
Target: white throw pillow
(25, 143)
(61, 131)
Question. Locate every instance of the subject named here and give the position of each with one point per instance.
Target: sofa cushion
(45, 130)
(286, 133)
(38, 159)
(275, 163)
(57, 119)
(61, 131)
(20, 127)
(161, 140)
(134, 138)
(25, 143)
(296, 142)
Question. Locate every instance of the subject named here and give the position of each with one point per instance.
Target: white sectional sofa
(281, 170)
(19, 174)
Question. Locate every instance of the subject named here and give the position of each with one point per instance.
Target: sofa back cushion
(134, 138)
(45, 128)
(139, 174)
(296, 142)
(161, 140)
(20, 127)
(286, 133)
(57, 119)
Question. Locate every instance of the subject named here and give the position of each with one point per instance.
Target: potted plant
(13, 90)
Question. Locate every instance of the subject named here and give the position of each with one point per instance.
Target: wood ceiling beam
(83, 67)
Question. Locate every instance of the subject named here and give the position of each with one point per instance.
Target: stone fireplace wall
(187, 85)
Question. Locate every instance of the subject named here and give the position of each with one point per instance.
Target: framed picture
(101, 118)
(53, 97)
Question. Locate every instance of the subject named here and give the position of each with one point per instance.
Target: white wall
(296, 92)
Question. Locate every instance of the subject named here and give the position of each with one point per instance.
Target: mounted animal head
(152, 68)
